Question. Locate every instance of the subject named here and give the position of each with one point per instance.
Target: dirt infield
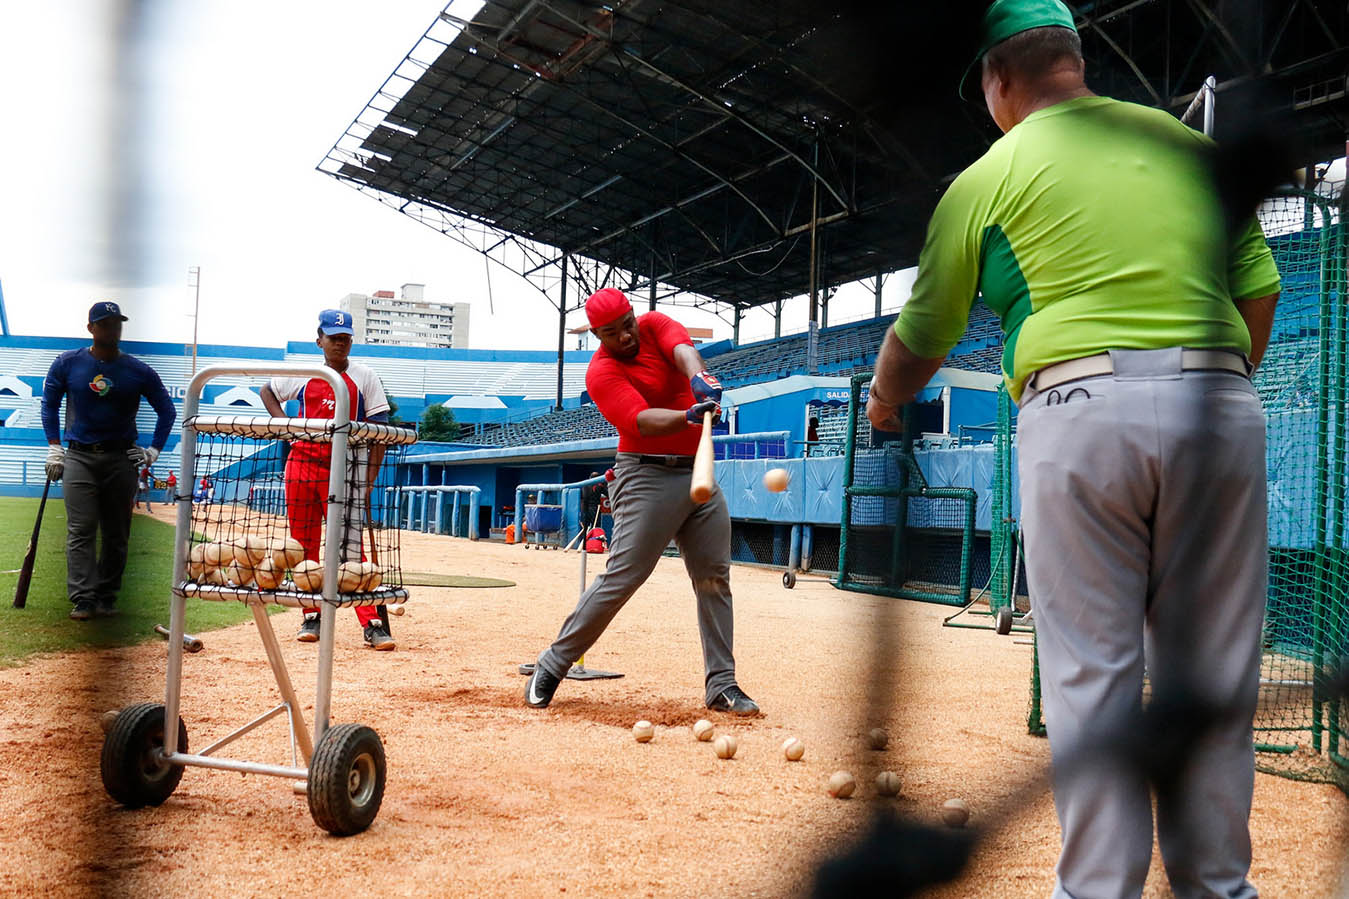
(487, 797)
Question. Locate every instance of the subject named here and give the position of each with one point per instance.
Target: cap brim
(331, 332)
(963, 88)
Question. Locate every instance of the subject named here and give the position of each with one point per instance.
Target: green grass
(44, 625)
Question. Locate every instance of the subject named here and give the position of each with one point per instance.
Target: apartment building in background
(408, 319)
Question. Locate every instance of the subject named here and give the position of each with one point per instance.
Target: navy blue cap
(105, 309)
(335, 321)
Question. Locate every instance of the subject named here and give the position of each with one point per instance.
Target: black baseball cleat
(83, 611)
(540, 687)
(104, 608)
(733, 700)
(377, 636)
(309, 629)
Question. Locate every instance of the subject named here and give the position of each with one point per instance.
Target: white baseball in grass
(793, 749)
(266, 576)
(725, 746)
(877, 738)
(643, 731)
(349, 577)
(308, 576)
(955, 812)
(887, 783)
(841, 784)
(287, 553)
(776, 479)
(702, 730)
(249, 550)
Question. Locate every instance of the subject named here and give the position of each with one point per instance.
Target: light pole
(194, 281)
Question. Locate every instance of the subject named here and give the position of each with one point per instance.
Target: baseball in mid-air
(643, 731)
(955, 812)
(887, 783)
(776, 479)
(702, 730)
(877, 738)
(793, 749)
(725, 746)
(841, 785)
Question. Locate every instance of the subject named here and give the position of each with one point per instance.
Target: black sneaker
(733, 700)
(83, 611)
(540, 687)
(104, 608)
(377, 636)
(309, 629)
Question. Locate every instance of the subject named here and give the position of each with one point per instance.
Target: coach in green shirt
(1132, 319)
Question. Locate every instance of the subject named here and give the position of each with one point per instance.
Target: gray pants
(1143, 502)
(98, 490)
(651, 507)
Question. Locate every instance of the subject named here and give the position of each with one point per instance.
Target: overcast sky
(212, 162)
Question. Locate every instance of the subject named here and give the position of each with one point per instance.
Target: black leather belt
(667, 461)
(103, 446)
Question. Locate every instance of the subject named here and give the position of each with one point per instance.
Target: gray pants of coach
(98, 489)
(1143, 503)
(652, 507)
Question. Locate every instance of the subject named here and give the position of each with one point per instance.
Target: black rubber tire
(789, 579)
(1004, 620)
(132, 775)
(346, 779)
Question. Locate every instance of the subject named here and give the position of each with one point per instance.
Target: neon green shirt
(1091, 225)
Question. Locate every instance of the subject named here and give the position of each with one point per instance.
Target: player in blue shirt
(102, 387)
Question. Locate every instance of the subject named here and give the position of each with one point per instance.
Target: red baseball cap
(603, 306)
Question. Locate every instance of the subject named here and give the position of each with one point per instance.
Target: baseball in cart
(247, 543)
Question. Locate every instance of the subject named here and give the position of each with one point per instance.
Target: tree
(438, 424)
(393, 413)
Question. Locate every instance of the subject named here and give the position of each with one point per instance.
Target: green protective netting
(1301, 726)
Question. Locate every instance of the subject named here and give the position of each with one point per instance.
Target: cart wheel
(789, 579)
(133, 772)
(1004, 621)
(346, 779)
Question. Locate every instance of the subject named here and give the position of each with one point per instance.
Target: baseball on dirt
(396, 610)
(776, 479)
(725, 746)
(643, 731)
(877, 738)
(955, 812)
(841, 784)
(249, 550)
(887, 783)
(702, 730)
(308, 576)
(793, 749)
(106, 719)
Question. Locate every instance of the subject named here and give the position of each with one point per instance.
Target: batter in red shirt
(650, 383)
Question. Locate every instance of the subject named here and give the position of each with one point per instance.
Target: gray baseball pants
(652, 507)
(1143, 503)
(98, 490)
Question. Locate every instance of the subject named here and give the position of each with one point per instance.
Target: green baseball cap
(1008, 17)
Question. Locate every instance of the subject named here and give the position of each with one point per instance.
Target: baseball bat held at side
(30, 558)
(704, 476)
(190, 643)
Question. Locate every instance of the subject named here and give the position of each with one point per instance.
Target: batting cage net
(931, 557)
(1301, 725)
(260, 492)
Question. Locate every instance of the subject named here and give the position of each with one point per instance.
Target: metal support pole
(561, 329)
(777, 319)
(880, 282)
(735, 328)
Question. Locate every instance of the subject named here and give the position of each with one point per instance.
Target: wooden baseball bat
(30, 558)
(704, 475)
(190, 643)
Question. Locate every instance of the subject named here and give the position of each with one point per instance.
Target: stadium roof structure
(740, 153)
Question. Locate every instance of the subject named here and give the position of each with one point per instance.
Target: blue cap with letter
(105, 309)
(335, 321)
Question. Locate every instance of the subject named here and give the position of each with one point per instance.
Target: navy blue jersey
(102, 398)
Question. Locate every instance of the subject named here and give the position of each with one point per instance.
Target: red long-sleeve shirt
(621, 388)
